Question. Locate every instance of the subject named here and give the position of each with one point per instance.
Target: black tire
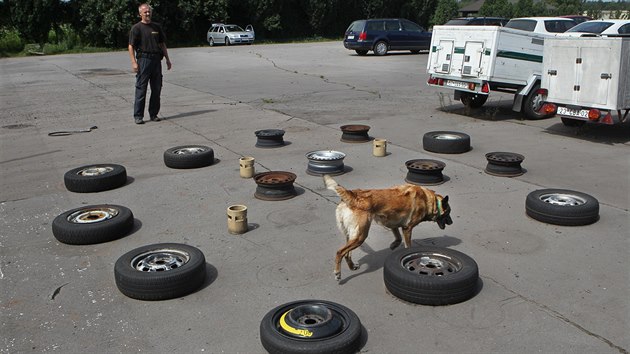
(95, 178)
(532, 105)
(341, 334)
(227, 41)
(160, 271)
(443, 277)
(562, 207)
(188, 156)
(361, 52)
(572, 122)
(446, 142)
(381, 48)
(472, 100)
(211, 42)
(92, 224)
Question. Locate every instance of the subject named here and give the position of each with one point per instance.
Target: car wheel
(533, 103)
(562, 207)
(95, 178)
(310, 326)
(473, 100)
(380, 48)
(430, 275)
(188, 156)
(92, 224)
(446, 142)
(361, 51)
(211, 41)
(160, 271)
(227, 41)
(572, 122)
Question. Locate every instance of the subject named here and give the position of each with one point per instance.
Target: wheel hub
(92, 215)
(562, 199)
(310, 321)
(425, 171)
(160, 260)
(95, 171)
(189, 151)
(433, 264)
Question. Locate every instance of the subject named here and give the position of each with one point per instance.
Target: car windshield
(524, 25)
(356, 26)
(233, 28)
(457, 22)
(591, 27)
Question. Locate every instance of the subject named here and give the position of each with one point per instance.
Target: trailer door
(444, 56)
(593, 83)
(471, 65)
(562, 73)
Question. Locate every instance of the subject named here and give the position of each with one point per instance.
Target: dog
(402, 206)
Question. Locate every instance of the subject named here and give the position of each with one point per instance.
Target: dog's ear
(445, 199)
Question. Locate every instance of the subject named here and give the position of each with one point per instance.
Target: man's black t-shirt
(146, 37)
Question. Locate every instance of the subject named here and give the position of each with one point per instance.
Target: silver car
(221, 33)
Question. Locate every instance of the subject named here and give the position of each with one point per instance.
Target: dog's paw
(337, 276)
(355, 266)
(394, 245)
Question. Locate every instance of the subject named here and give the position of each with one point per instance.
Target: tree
(498, 8)
(33, 19)
(445, 10)
(567, 7)
(527, 8)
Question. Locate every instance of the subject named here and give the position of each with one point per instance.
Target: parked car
(221, 33)
(599, 27)
(578, 18)
(384, 35)
(477, 21)
(546, 25)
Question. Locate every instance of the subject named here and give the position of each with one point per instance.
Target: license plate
(350, 37)
(458, 84)
(581, 113)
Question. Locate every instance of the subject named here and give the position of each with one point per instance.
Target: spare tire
(446, 142)
(92, 224)
(310, 327)
(189, 156)
(562, 207)
(430, 275)
(95, 178)
(160, 271)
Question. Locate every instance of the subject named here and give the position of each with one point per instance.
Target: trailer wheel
(533, 103)
(572, 122)
(473, 100)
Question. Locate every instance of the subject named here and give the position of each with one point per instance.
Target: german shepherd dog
(403, 206)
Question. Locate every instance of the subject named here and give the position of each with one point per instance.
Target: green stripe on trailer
(520, 56)
(487, 51)
(459, 50)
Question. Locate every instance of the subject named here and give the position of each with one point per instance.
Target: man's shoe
(156, 119)
(139, 121)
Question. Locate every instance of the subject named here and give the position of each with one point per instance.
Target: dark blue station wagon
(383, 35)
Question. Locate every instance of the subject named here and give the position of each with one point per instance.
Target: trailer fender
(520, 95)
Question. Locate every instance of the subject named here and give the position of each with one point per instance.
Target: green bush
(10, 41)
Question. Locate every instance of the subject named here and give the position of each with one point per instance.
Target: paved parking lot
(545, 288)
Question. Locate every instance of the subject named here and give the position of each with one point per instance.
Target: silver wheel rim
(160, 260)
(381, 48)
(537, 102)
(189, 150)
(95, 171)
(562, 199)
(92, 215)
(446, 136)
(430, 264)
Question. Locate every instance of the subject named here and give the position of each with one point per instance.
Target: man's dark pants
(149, 72)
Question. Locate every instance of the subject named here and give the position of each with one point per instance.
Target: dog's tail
(343, 193)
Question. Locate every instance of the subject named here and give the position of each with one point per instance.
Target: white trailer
(477, 60)
(587, 79)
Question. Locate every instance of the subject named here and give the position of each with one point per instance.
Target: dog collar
(439, 206)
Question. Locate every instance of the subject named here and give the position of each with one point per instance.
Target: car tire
(92, 224)
(430, 275)
(532, 105)
(211, 42)
(188, 156)
(317, 327)
(572, 122)
(361, 52)
(227, 41)
(562, 207)
(446, 142)
(381, 48)
(160, 271)
(473, 100)
(95, 178)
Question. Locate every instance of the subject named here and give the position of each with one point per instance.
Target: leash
(68, 132)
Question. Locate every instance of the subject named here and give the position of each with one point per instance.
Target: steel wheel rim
(446, 136)
(310, 322)
(95, 171)
(430, 264)
(92, 215)
(189, 150)
(425, 165)
(160, 260)
(325, 155)
(562, 199)
(381, 48)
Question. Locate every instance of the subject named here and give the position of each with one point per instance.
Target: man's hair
(145, 4)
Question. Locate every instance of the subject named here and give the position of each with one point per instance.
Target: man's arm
(132, 56)
(165, 52)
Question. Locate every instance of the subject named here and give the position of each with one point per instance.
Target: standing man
(147, 47)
